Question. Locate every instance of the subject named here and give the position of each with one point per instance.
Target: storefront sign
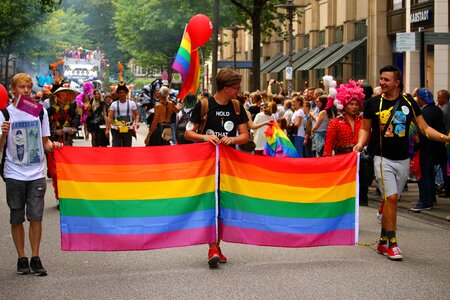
(420, 16)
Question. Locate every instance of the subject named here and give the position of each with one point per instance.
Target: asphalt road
(252, 272)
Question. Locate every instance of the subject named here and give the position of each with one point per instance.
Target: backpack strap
(237, 106)
(2, 165)
(203, 115)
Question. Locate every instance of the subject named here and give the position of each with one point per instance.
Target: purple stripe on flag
(108, 242)
(280, 239)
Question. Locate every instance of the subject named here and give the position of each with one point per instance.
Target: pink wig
(349, 92)
(88, 89)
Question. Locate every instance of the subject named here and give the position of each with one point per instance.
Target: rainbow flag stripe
(117, 199)
(289, 202)
(183, 58)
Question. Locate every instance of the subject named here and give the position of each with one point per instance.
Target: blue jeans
(298, 143)
(319, 140)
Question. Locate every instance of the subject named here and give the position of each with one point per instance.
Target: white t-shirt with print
(25, 158)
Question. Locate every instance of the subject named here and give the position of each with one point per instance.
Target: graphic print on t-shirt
(26, 147)
(397, 127)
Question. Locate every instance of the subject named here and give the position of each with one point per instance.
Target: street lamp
(234, 29)
(290, 9)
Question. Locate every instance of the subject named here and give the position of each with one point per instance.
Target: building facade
(350, 39)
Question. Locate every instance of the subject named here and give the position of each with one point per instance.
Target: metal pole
(422, 57)
(291, 48)
(235, 29)
(215, 45)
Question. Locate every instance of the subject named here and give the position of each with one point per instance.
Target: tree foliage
(262, 18)
(151, 30)
(62, 30)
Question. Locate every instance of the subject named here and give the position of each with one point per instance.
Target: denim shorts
(25, 196)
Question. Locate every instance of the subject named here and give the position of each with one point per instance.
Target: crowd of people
(351, 117)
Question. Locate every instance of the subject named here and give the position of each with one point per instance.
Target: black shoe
(22, 266)
(419, 207)
(36, 266)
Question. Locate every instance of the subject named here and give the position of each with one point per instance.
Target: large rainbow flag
(288, 202)
(114, 199)
(118, 199)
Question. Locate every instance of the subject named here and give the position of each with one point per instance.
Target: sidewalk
(409, 199)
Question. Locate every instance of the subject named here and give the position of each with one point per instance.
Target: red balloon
(200, 29)
(3, 97)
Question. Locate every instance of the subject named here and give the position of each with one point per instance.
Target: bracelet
(232, 140)
(204, 138)
(442, 137)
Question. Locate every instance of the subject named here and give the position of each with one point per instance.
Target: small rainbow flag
(118, 199)
(187, 63)
(183, 57)
(278, 144)
(288, 202)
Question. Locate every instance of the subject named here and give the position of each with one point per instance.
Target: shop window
(321, 37)
(396, 4)
(360, 30)
(339, 36)
(359, 69)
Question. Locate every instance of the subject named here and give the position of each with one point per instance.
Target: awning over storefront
(305, 58)
(279, 61)
(338, 55)
(283, 65)
(310, 64)
(269, 63)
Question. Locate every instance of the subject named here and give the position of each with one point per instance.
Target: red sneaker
(213, 257)
(382, 249)
(223, 258)
(394, 253)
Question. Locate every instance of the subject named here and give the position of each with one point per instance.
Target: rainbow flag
(117, 199)
(288, 202)
(183, 57)
(278, 144)
(187, 63)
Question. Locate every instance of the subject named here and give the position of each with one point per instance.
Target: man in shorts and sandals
(387, 118)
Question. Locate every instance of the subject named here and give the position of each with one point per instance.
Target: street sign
(437, 38)
(176, 78)
(288, 73)
(405, 41)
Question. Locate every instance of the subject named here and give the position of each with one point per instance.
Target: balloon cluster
(200, 29)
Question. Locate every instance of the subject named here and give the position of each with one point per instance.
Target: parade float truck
(80, 70)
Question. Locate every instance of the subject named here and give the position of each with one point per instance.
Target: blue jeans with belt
(298, 143)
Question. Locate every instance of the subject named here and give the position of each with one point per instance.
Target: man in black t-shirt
(225, 124)
(386, 119)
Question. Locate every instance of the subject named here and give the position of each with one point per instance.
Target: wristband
(204, 138)
(232, 140)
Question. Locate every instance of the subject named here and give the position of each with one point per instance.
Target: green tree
(262, 18)
(151, 30)
(18, 17)
(61, 30)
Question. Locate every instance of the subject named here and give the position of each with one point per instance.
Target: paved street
(252, 272)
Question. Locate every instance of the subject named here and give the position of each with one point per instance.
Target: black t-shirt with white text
(222, 119)
(395, 142)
